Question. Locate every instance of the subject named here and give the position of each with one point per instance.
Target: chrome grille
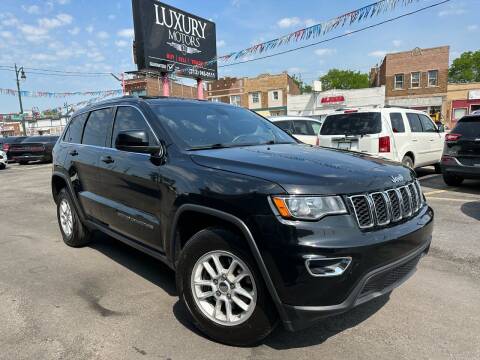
(363, 210)
(384, 207)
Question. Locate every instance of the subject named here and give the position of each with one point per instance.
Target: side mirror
(137, 141)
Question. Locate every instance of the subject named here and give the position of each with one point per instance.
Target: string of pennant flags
(46, 94)
(315, 31)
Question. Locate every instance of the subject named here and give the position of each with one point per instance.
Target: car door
(434, 138)
(85, 162)
(401, 140)
(131, 183)
(418, 144)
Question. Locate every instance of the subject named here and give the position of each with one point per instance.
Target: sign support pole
(199, 89)
(166, 84)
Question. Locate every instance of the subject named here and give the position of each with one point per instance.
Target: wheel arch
(60, 181)
(411, 155)
(240, 226)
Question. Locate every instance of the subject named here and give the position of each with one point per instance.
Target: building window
(415, 79)
(255, 97)
(459, 113)
(433, 78)
(275, 95)
(398, 82)
(236, 100)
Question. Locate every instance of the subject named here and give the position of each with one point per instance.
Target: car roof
(378, 110)
(151, 100)
(286, 118)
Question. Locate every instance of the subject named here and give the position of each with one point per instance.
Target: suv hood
(302, 169)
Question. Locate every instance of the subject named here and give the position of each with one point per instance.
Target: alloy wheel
(66, 218)
(223, 288)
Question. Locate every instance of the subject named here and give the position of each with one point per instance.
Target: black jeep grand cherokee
(257, 226)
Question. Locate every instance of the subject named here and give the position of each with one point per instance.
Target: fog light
(326, 267)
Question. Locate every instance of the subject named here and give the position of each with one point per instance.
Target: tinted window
(74, 132)
(284, 125)
(414, 122)
(397, 122)
(206, 124)
(33, 139)
(468, 126)
(352, 124)
(97, 128)
(129, 118)
(302, 127)
(427, 124)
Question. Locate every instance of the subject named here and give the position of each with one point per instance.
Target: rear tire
(74, 233)
(2, 166)
(408, 162)
(237, 312)
(452, 180)
(438, 169)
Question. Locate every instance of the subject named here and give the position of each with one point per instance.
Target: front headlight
(308, 207)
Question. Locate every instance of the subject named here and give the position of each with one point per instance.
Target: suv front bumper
(376, 283)
(382, 259)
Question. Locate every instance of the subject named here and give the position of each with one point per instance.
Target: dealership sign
(168, 39)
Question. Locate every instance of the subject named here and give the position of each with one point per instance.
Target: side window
(414, 122)
(73, 134)
(427, 124)
(98, 127)
(302, 127)
(316, 127)
(396, 120)
(129, 118)
(284, 125)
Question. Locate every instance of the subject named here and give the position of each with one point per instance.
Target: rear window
(352, 124)
(468, 126)
(302, 127)
(40, 139)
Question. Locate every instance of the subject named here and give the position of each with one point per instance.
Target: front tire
(74, 233)
(452, 180)
(218, 281)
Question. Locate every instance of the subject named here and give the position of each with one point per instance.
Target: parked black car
(8, 141)
(461, 153)
(34, 148)
(257, 226)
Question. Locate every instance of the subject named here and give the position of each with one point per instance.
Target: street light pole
(17, 71)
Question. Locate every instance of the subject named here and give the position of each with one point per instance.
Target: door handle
(415, 140)
(74, 153)
(107, 159)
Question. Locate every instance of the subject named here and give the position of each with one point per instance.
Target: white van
(304, 129)
(399, 134)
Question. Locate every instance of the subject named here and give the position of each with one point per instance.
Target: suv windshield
(203, 125)
(352, 124)
(468, 126)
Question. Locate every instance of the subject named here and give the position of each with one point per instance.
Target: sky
(96, 36)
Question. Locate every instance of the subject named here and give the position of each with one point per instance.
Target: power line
(79, 73)
(58, 74)
(338, 36)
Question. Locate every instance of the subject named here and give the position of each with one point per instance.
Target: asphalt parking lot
(108, 301)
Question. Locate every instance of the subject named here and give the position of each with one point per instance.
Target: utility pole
(23, 77)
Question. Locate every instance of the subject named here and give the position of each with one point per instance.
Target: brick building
(416, 79)
(152, 86)
(462, 99)
(266, 93)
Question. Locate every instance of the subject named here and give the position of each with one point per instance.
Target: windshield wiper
(207, 147)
